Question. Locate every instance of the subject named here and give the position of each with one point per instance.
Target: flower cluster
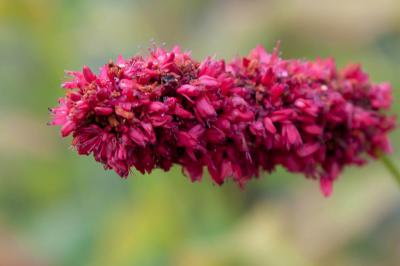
(234, 118)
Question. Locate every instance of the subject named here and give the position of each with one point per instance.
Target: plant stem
(391, 167)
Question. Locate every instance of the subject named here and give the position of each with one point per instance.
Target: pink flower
(235, 118)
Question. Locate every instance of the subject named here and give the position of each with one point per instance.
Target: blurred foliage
(60, 209)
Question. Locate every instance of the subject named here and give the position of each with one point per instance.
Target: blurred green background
(60, 209)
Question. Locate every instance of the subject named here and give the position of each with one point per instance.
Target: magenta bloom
(235, 118)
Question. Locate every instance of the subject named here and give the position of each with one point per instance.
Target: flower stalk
(391, 167)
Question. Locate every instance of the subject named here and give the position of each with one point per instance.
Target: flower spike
(234, 118)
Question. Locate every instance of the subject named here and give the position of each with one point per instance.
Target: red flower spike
(234, 118)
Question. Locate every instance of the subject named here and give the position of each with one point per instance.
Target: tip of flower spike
(326, 186)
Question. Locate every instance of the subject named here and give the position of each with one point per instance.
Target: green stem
(391, 167)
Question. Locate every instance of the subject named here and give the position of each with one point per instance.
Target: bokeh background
(60, 209)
